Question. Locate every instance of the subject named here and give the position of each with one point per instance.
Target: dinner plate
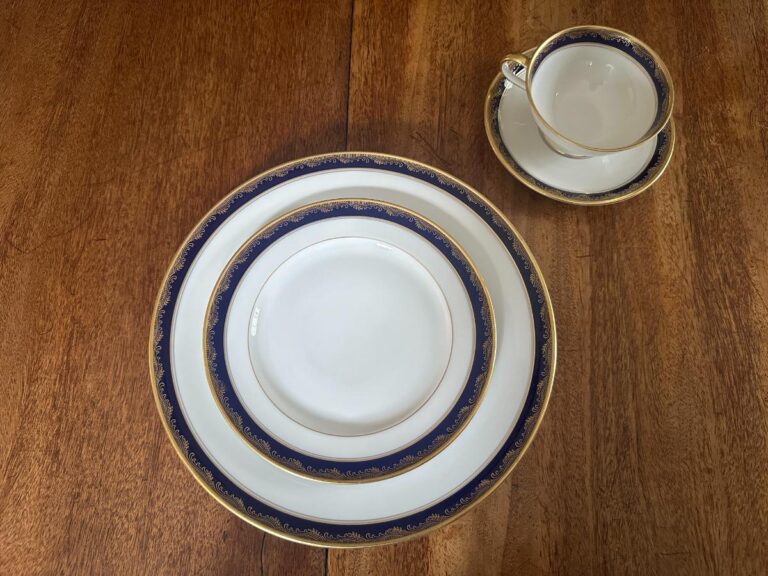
(401, 506)
(606, 179)
(350, 333)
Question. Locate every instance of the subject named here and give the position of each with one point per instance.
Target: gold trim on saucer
(542, 388)
(408, 462)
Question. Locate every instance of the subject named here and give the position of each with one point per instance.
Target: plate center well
(350, 336)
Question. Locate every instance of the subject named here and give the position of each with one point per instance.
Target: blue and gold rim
(294, 528)
(364, 470)
(662, 154)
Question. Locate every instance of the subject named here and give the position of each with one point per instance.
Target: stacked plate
(352, 349)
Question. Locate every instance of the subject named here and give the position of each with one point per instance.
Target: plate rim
(543, 387)
(580, 199)
(487, 360)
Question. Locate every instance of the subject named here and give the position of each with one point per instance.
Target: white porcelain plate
(349, 340)
(397, 507)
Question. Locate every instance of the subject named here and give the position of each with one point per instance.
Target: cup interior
(599, 89)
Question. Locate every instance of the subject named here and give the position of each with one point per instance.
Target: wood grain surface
(122, 123)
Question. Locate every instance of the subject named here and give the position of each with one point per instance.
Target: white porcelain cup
(593, 90)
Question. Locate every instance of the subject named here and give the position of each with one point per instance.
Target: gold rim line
(552, 350)
(455, 245)
(487, 119)
(657, 59)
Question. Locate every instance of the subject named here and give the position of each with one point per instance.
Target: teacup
(594, 90)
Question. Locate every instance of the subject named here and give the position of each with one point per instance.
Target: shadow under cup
(597, 91)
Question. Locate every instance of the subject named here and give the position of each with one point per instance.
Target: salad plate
(362, 339)
(423, 498)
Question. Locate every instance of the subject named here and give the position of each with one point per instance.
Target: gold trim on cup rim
(490, 339)
(632, 39)
(200, 474)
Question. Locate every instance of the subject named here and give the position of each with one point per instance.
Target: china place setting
(356, 348)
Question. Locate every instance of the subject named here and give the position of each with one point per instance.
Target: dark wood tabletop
(122, 123)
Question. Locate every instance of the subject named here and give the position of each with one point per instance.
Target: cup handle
(508, 62)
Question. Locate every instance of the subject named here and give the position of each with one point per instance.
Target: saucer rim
(562, 195)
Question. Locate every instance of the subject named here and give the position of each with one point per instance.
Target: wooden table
(121, 123)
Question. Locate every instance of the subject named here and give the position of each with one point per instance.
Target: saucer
(400, 507)
(358, 314)
(606, 179)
